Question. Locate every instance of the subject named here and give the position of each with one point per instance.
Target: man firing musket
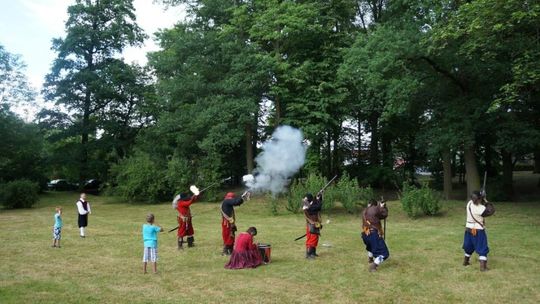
(475, 238)
(228, 219)
(182, 204)
(312, 212)
(372, 233)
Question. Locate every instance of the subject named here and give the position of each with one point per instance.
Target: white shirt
(476, 211)
(81, 209)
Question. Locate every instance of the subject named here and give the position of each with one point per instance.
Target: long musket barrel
(328, 184)
(213, 184)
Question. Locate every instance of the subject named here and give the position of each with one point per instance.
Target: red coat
(185, 226)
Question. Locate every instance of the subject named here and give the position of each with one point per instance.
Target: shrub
(140, 178)
(350, 195)
(20, 193)
(419, 201)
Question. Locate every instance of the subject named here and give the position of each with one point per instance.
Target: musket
(328, 184)
(218, 182)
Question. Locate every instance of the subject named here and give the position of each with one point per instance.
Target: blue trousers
(375, 244)
(476, 243)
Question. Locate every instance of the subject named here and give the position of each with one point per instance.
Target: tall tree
(97, 32)
(14, 86)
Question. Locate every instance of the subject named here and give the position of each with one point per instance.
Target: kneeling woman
(245, 253)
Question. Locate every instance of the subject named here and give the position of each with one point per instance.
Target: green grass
(424, 266)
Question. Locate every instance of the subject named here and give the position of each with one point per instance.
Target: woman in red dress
(245, 254)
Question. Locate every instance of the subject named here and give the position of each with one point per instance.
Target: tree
(14, 86)
(79, 82)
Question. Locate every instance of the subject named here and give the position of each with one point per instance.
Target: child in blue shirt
(150, 237)
(57, 227)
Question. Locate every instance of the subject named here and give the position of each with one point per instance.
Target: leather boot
(180, 243)
(190, 241)
(315, 252)
(466, 261)
(372, 267)
(483, 266)
(309, 253)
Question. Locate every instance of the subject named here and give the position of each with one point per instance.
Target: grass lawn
(105, 267)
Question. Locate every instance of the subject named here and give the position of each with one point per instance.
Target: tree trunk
(328, 157)
(359, 149)
(471, 170)
(335, 152)
(536, 161)
(83, 165)
(447, 173)
(508, 186)
(249, 148)
(374, 142)
(386, 150)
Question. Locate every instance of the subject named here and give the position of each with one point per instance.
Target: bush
(350, 195)
(419, 201)
(140, 178)
(20, 193)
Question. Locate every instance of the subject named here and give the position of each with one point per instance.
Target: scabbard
(300, 237)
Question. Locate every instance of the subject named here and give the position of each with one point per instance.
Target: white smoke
(282, 156)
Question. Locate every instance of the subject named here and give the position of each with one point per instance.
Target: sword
(174, 229)
(300, 237)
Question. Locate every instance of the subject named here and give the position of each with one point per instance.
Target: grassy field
(424, 265)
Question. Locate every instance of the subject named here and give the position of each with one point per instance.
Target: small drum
(265, 250)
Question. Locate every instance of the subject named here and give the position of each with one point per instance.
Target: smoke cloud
(281, 157)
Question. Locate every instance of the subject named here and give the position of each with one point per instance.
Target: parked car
(61, 185)
(91, 186)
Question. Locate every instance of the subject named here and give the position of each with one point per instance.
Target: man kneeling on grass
(372, 233)
(150, 238)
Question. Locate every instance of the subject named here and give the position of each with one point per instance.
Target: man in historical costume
(372, 233)
(475, 238)
(83, 209)
(246, 254)
(228, 220)
(185, 224)
(312, 212)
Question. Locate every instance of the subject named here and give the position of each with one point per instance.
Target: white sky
(28, 26)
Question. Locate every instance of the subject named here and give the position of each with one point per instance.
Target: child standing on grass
(57, 228)
(150, 237)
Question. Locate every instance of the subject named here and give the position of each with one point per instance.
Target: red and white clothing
(185, 225)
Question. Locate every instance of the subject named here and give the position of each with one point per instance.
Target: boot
(372, 267)
(466, 261)
(190, 241)
(180, 243)
(315, 252)
(229, 249)
(483, 266)
(309, 253)
(225, 251)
